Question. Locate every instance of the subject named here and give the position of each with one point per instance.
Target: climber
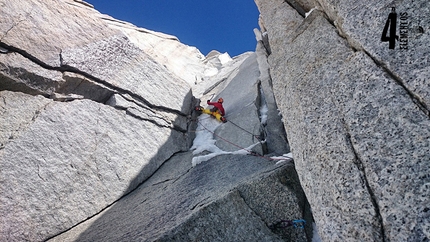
(217, 106)
(217, 111)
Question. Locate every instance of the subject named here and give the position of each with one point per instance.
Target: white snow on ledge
(310, 11)
(224, 58)
(212, 71)
(283, 158)
(204, 141)
(263, 108)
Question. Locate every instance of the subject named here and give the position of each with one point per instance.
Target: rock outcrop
(356, 113)
(96, 126)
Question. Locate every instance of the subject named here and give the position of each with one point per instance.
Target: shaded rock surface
(356, 114)
(211, 202)
(74, 159)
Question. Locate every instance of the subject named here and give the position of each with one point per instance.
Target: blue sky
(223, 25)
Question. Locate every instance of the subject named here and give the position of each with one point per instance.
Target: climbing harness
(298, 223)
(213, 113)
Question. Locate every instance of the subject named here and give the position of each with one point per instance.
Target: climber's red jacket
(218, 106)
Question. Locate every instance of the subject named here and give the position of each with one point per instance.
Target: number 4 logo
(392, 24)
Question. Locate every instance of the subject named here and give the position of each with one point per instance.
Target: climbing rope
(249, 151)
(253, 135)
(236, 145)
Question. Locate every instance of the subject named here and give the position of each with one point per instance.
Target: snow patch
(258, 35)
(289, 155)
(316, 236)
(263, 114)
(308, 13)
(283, 158)
(215, 64)
(204, 141)
(263, 108)
(224, 58)
(3, 50)
(204, 138)
(212, 71)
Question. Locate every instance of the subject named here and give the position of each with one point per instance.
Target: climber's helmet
(220, 100)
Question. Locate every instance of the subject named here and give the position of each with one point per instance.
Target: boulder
(357, 120)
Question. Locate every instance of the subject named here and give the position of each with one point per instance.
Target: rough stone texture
(17, 113)
(127, 67)
(215, 201)
(64, 154)
(356, 115)
(362, 24)
(42, 29)
(104, 55)
(95, 127)
(278, 207)
(70, 160)
(186, 62)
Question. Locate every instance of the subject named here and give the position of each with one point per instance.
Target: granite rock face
(219, 200)
(228, 197)
(70, 160)
(84, 115)
(96, 126)
(104, 56)
(356, 114)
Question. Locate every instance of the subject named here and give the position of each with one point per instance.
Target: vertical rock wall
(85, 115)
(356, 113)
